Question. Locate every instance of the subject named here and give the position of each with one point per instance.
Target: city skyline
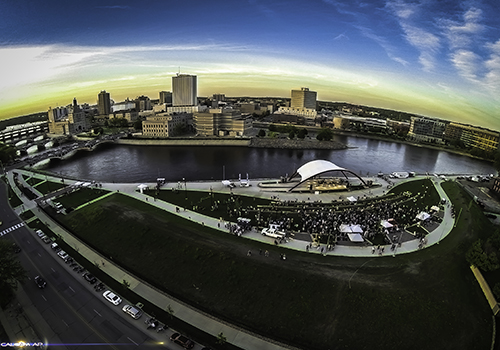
(437, 60)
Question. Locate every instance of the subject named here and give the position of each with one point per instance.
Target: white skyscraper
(184, 90)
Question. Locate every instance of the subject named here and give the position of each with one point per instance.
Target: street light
(185, 188)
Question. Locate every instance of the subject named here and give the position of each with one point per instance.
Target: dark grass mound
(424, 300)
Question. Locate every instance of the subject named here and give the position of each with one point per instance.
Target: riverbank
(237, 142)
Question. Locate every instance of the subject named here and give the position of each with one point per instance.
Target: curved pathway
(205, 322)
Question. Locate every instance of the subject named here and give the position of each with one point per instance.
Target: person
(249, 253)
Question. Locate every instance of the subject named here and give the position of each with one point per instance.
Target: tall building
(184, 90)
(68, 120)
(303, 98)
(103, 103)
(427, 129)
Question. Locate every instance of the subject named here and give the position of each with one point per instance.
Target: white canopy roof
(423, 216)
(316, 167)
(435, 208)
(355, 237)
(352, 199)
(142, 186)
(351, 228)
(386, 223)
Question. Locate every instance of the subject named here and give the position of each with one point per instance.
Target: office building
(303, 98)
(427, 129)
(222, 122)
(184, 90)
(472, 136)
(164, 125)
(103, 103)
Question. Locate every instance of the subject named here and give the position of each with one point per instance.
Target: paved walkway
(234, 335)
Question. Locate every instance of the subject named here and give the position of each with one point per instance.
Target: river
(124, 163)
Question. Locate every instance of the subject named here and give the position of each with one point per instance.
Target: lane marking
(40, 255)
(132, 341)
(71, 289)
(97, 312)
(44, 298)
(53, 269)
(65, 323)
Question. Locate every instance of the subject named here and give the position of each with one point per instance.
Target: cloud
(492, 64)
(466, 62)
(462, 34)
(341, 36)
(384, 43)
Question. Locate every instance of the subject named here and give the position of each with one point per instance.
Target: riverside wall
(244, 142)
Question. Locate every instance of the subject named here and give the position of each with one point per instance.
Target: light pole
(185, 188)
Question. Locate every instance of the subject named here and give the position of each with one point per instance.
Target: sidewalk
(234, 335)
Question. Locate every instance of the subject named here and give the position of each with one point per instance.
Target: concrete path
(207, 323)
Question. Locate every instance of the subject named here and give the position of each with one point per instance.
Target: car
(46, 240)
(63, 255)
(55, 247)
(89, 278)
(40, 282)
(132, 311)
(39, 233)
(182, 340)
(112, 297)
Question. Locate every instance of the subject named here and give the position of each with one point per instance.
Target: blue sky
(436, 58)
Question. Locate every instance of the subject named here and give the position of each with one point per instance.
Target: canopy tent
(355, 237)
(423, 216)
(435, 208)
(386, 224)
(352, 199)
(350, 229)
(227, 183)
(142, 187)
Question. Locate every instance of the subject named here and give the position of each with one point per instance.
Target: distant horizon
(434, 59)
(253, 97)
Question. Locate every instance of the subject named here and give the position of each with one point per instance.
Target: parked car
(62, 254)
(55, 247)
(89, 278)
(182, 340)
(112, 297)
(39, 233)
(46, 240)
(132, 311)
(40, 282)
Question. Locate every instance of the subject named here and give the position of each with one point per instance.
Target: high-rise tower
(303, 98)
(103, 103)
(184, 90)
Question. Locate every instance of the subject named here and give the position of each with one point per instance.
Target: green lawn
(424, 300)
(49, 186)
(80, 197)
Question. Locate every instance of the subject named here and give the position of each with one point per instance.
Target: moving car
(112, 297)
(132, 311)
(40, 282)
(182, 340)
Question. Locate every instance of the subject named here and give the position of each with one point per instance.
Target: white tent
(386, 224)
(355, 237)
(142, 187)
(423, 216)
(227, 183)
(351, 228)
(352, 199)
(435, 208)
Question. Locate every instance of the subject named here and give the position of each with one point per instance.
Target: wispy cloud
(427, 43)
(462, 34)
(384, 43)
(341, 36)
(466, 62)
(492, 64)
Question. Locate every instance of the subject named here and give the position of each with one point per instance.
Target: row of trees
(11, 272)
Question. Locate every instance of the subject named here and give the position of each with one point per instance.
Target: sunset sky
(434, 58)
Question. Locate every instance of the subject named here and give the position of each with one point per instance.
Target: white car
(112, 297)
(62, 254)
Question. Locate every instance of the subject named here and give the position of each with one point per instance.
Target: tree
(11, 272)
(497, 161)
(302, 133)
(261, 133)
(325, 134)
(272, 127)
(7, 153)
(138, 124)
(482, 260)
(291, 134)
(221, 339)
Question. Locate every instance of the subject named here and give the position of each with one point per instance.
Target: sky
(435, 58)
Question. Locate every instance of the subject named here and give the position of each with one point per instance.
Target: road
(76, 314)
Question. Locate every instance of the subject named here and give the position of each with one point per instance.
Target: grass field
(48, 186)
(80, 197)
(428, 299)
